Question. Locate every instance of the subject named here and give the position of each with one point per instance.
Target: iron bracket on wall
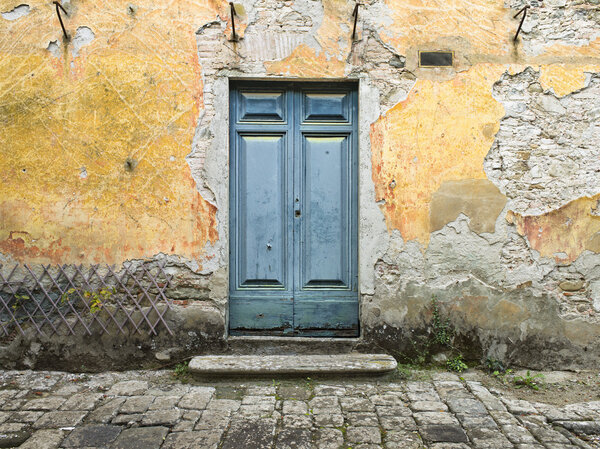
(355, 15)
(233, 35)
(62, 25)
(524, 12)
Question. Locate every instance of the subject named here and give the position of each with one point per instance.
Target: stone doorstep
(246, 345)
(338, 364)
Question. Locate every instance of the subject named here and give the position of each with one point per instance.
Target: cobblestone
(147, 409)
(92, 436)
(136, 404)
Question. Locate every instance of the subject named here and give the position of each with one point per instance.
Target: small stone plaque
(436, 58)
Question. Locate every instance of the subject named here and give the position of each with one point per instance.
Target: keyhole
(297, 213)
(269, 247)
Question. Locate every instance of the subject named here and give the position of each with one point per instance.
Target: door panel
(327, 315)
(261, 211)
(259, 106)
(326, 107)
(293, 213)
(260, 315)
(324, 244)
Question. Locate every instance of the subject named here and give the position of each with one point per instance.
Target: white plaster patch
(556, 3)
(54, 49)
(373, 235)
(17, 12)
(378, 14)
(551, 104)
(83, 36)
(595, 295)
(270, 46)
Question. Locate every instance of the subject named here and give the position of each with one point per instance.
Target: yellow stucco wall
(441, 132)
(93, 147)
(446, 126)
(71, 124)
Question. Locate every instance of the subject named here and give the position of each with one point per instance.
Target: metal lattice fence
(73, 299)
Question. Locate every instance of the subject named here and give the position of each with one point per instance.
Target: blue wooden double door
(293, 209)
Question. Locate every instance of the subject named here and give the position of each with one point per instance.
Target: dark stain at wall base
(513, 326)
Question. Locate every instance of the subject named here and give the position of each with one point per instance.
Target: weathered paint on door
(293, 196)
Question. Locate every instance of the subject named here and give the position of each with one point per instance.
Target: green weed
(529, 381)
(182, 371)
(456, 364)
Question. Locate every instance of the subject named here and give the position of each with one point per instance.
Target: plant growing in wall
(443, 333)
(19, 301)
(456, 364)
(440, 336)
(96, 298)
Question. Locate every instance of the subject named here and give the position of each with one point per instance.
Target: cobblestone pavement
(150, 409)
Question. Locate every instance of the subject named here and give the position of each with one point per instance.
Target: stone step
(305, 364)
(250, 345)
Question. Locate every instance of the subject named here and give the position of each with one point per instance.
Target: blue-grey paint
(293, 197)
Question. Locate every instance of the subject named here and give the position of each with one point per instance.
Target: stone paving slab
(340, 364)
(151, 409)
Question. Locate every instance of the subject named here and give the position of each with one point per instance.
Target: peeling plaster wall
(479, 183)
(546, 152)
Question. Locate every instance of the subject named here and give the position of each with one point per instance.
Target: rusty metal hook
(233, 35)
(62, 25)
(524, 12)
(355, 15)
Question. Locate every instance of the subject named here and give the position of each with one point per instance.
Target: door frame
(356, 141)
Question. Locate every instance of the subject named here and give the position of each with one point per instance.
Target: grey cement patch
(373, 235)
(519, 326)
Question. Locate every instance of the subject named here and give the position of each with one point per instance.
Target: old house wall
(479, 183)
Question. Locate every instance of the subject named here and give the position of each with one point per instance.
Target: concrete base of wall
(515, 327)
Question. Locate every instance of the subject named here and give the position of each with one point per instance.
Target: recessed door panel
(326, 315)
(326, 107)
(259, 106)
(261, 211)
(324, 249)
